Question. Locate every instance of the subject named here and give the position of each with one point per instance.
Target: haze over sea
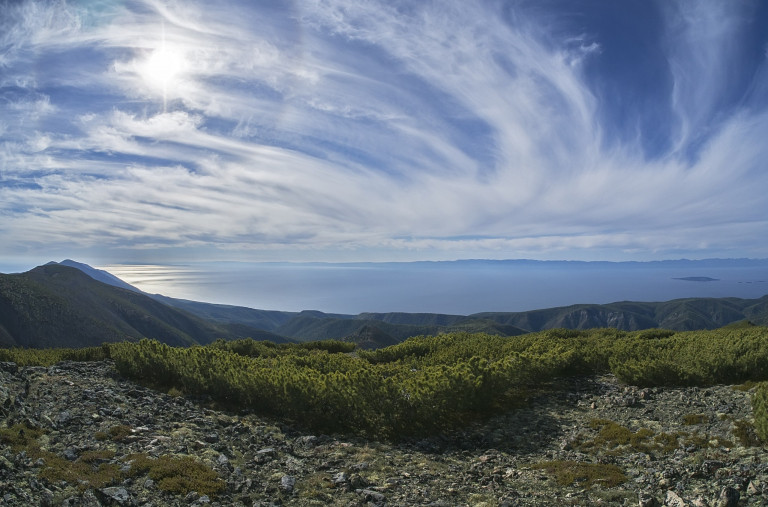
(461, 287)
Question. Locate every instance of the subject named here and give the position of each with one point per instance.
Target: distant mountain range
(70, 304)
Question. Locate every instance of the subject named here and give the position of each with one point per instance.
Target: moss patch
(568, 473)
(694, 419)
(177, 474)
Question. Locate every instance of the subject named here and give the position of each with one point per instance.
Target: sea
(451, 287)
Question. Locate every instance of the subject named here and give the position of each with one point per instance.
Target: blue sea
(460, 287)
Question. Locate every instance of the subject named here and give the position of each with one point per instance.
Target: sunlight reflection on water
(437, 287)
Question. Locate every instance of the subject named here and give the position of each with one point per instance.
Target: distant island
(697, 279)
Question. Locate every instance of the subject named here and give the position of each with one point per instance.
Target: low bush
(760, 411)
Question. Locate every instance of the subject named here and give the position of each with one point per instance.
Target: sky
(362, 130)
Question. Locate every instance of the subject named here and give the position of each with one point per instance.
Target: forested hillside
(60, 306)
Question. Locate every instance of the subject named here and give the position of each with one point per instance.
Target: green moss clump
(613, 437)
(584, 474)
(20, 437)
(694, 419)
(119, 432)
(177, 474)
(84, 472)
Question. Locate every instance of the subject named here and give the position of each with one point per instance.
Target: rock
(674, 500)
(307, 441)
(729, 497)
(490, 463)
(372, 496)
(46, 498)
(63, 418)
(287, 483)
(648, 501)
(9, 367)
(340, 479)
(115, 496)
(356, 481)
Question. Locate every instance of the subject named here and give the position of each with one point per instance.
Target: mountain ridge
(61, 306)
(128, 314)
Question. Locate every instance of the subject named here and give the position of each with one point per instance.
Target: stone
(287, 483)
(729, 497)
(340, 478)
(374, 497)
(674, 500)
(9, 367)
(116, 495)
(63, 418)
(647, 500)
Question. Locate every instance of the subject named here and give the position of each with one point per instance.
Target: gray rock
(9, 367)
(287, 483)
(729, 497)
(116, 496)
(340, 478)
(374, 497)
(64, 418)
(648, 501)
(674, 500)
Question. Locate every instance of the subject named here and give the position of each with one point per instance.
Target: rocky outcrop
(77, 434)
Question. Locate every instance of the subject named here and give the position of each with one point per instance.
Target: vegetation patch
(568, 473)
(315, 486)
(760, 411)
(614, 439)
(694, 419)
(433, 384)
(120, 432)
(20, 437)
(745, 432)
(85, 473)
(179, 475)
(48, 357)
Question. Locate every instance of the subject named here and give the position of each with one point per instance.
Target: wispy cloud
(386, 129)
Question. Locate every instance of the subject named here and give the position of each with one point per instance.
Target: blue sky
(358, 130)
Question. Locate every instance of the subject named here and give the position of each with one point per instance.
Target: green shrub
(760, 411)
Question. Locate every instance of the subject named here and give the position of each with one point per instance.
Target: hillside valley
(71, 304)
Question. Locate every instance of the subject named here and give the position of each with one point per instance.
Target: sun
(162, 67)
(162, 70)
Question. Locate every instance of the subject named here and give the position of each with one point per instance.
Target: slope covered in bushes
(426, 384)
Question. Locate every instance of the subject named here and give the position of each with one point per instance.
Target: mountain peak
(98, 274)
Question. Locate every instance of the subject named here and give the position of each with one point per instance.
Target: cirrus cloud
(379, 130)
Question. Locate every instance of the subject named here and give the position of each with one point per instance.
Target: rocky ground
(78, 434)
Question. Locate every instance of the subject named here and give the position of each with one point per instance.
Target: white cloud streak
(442, 130)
